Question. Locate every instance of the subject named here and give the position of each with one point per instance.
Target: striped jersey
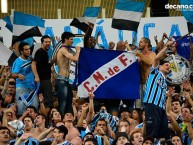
(155, 88)
(100, 140)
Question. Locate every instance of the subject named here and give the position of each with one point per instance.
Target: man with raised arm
(64, 56)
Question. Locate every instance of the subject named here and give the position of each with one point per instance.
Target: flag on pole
(9, 24)
(89, 16)
(127, 15)
(187, 12)
(25, 26)
(108, 74)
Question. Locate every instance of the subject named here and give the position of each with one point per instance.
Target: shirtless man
(146, 59)
(62, 86)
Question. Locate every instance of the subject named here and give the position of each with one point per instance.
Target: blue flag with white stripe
(89, 16)
(26, 25)
(108, 74)
(127, 15)
(187, 12)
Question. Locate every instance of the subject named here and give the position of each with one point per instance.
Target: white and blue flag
(26, 25)
(127, 15)
(89, 16)
(108, 74)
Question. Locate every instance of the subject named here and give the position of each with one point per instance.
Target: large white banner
(148, 27)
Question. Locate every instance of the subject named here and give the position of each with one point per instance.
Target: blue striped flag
(187, 12)
(26, 25)
(127, 15)
(89, 16)
(9, 24)
(108, 74)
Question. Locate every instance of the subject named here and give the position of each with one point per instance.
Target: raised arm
(161, 53)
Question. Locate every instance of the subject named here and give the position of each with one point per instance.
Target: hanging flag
(5, 54)
(25, 26)
(108, 74)
(9, 24)
(89, 16)
(187, 12)
(127, 15)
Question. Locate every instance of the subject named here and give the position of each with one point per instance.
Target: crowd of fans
(47, 118)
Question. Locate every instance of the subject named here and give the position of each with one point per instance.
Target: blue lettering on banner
(103, 37)
(67, 29)
(175, 29)
(146, 29)
(79, 31)
(134, 38)
(120, 34)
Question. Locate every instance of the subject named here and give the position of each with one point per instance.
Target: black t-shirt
(43, 66)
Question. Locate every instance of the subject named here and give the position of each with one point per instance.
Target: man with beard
(64, 56)
(42, 71)
(146, 58)
(154, 97)
(22, 72)
(4, 136)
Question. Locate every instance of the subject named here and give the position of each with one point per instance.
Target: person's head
(84, 123)
(144, 43)
(40, 120)
(46, 42)
(24, 50)
(91, 141)
(121, 46)
(68, 117)
(148, 141)
(124, 125)
(111, 45)
(136, 114)
(103, 124)
(4, 135)
(186, 86)
(136, 138)
(121, 138)
(91, 42)
(62, 131)
(88, 135)
(55, 116)
(186, 112)
(164, 67)
(11, 88)
(176, 106)
(32, 111)
(176, 140)
(28, 122)
(124, 111)
(67, 38)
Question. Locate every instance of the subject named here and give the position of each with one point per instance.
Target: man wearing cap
(154, 97)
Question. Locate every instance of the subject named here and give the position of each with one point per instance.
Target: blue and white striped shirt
(156, 88)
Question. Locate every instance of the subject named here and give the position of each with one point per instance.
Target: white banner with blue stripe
(108, 74)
